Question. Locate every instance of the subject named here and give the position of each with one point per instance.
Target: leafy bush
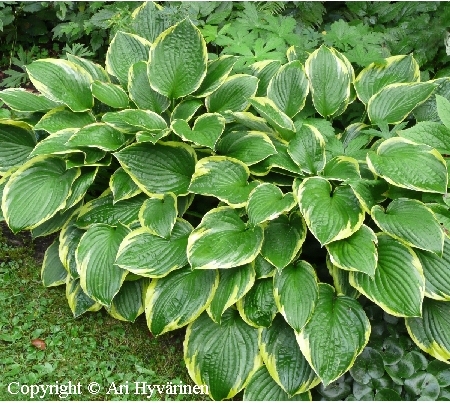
(253, 208)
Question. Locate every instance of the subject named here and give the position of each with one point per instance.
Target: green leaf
(21, 100)
(222, 241)
(69, 238)
(250, 147)
(441, 371)
(330, 216)
(409, 165)
(159, 214)
(223, 177)
(110, 94)
(435, 270)
(368, 365)
(263, 268)
(258, 307)
(398, 285)
(96, 71)
(169, 170)
(178, 298)
(296, 291)
(206, 130)
(431, 331)
(53, 273)
(128, 303)
(103, 210)
(216, 74)
(140, 91)
(62, 81)
(443, 109)
(274, 116)
(62, 119)
(307, 149)
(134, 120)
(283, 238)
(329, 80)
(266, 202)
(342, 169)
(222, 356)
(394, 103)
(125, 50)
(56, 143)
(396, 69)
(369, 192)
(433, 134)
(147, 21)
(423, 386)
(412, 223)
(341, 279)
(122, 186)
(288, 88)
(100, 278)
(358, 252)
(98, 135)
(149, 255)
(178, 60)
(152, 136)
(345, 333)
(16, 144)
(79, 302)
(42, 179)
(186, 109)
(284, 360)
(233, 95)
(233, 285)
(252, 122)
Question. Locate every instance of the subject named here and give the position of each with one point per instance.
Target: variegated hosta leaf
(89, 157)
(283, 238)
(233, 95)
(329, 80)
(151, 136)
(98, 135)
(100, 278)
(69, 238)
(125, 50)
(96, 71)
(110, 94)
(53, 273)
(262, 387)
(16, 144)
(258, 307)
(264, 71)
(342, 169)
(146, 20)
(307, 149)
(433, 134)
(79, 302)
(341, 280)
(397, 69)
(394, 103)
(178, 60)
(276, 118)
(252, 122)
(266, 202)
(222, 240)
(149, 255)
(330, 216)
(234, 283)
(134, 120)
(144, 96)
(369, 192)
(288, 88)
(186, 109)
(250, 147)
(103, 210)
(62, 119)
(206, 130)
(345, 332)
(21, 100)
(216, 73)
(263, 268)
(56, 143)
(436, 272)
(44, 180)
(179, 298)
(358, 252)
(222, 177)
(122, 186)
(409, 165)
(443, 109)
(128, 303)
(431, 332)
(296, 291)
(412, 223)
(80, 186)
(159, 214)
(222, 356)
(284, 360)
(398, 285)
(62, 81)
(169, 170)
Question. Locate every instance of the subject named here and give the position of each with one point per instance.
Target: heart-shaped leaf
(159, 214)
(78, 301)
(122, 186)
(128, 303)
(216, 73)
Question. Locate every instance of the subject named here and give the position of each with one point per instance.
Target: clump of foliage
(254, 208)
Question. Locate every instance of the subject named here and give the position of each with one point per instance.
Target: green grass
(92, 348)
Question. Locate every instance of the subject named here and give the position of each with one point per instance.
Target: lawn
(42, 344)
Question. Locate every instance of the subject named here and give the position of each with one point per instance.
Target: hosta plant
(257, 221)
